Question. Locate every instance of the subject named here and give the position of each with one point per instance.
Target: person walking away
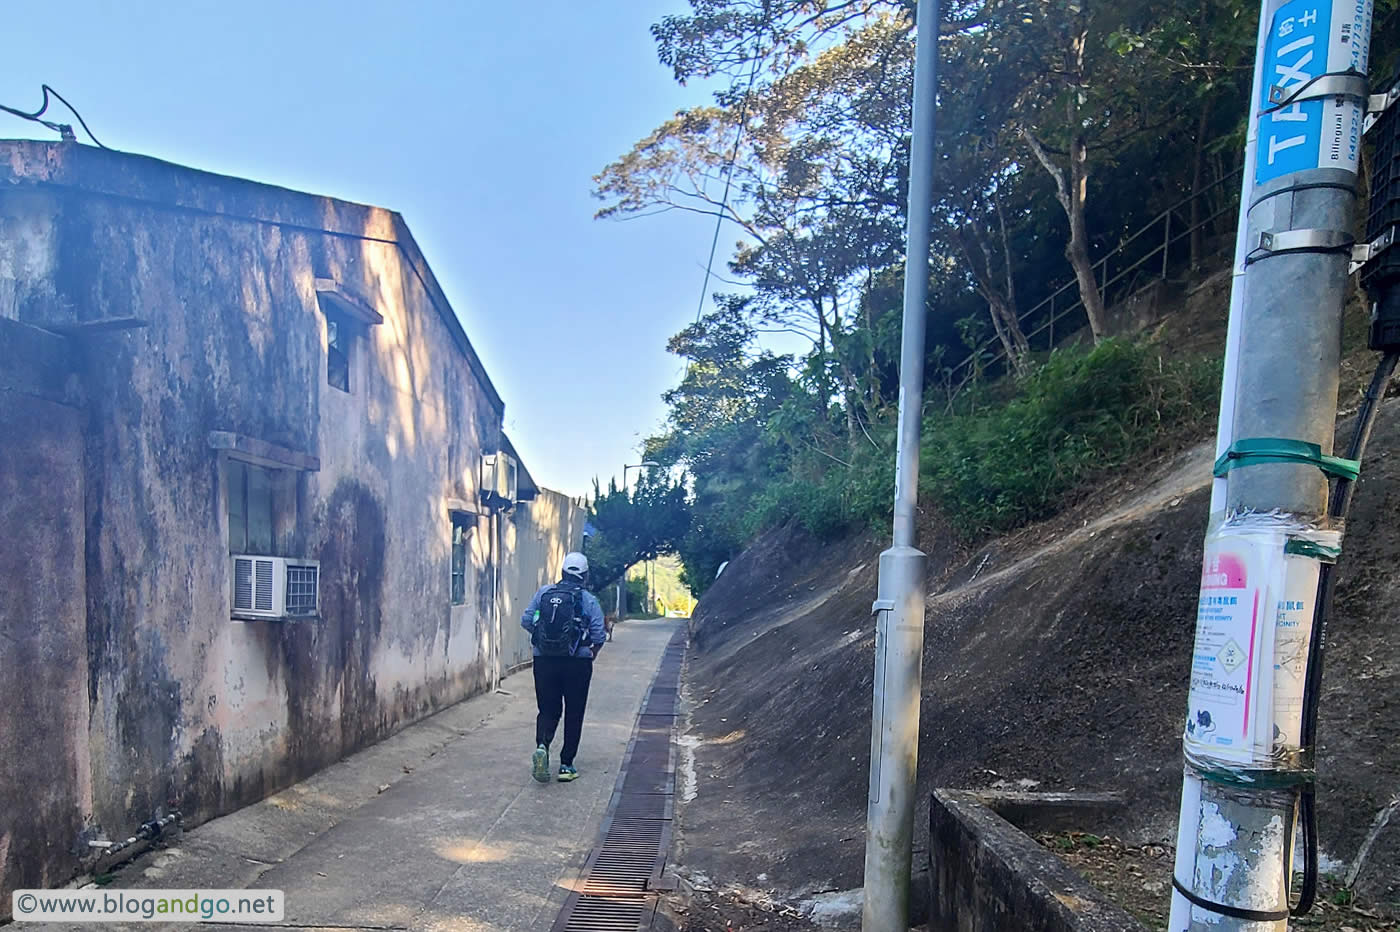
(566, 629)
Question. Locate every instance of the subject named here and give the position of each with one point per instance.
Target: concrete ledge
(262, 453)
(347, 302)
(1050, 812)
(985, 875)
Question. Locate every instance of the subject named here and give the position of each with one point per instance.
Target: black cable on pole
(62, 128)
(1339, 504)
(728, 179)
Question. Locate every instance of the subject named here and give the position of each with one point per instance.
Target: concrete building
(256, 505)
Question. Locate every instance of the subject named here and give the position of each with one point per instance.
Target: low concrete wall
(985, 875)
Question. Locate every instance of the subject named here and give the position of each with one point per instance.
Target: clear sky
(481, 122)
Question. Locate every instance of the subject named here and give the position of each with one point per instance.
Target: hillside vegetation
(1063, 470)
(1063, 130)
(1055, 658)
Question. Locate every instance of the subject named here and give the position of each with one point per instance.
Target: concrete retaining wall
(985, 875)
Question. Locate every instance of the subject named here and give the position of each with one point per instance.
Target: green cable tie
(1255, 450)
(1253, 778)
(1307, 548)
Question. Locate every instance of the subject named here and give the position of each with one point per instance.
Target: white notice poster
(1231, 643)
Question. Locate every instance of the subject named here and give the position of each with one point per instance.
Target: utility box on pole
(1248, 759)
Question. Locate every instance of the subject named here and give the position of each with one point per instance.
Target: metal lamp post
(622, 580)
(899, 605)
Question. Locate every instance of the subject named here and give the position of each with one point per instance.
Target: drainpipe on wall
(499, 550)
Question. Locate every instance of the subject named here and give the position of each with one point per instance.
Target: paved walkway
(437, 829)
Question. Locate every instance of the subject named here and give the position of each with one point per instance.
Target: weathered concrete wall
(45, 789)
(168, 701)
(538, 534)
(985, 875)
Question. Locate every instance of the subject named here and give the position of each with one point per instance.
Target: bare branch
(1056, 172)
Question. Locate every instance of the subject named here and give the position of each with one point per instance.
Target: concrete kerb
(987, 875)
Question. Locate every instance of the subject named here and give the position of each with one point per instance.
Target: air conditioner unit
(500, 476)
(275, 587)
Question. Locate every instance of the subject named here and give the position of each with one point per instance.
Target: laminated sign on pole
(1248, 759)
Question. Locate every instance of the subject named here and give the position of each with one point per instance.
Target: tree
(651, 520)
(718, 432)
(1068, 96)
(816, 180)
(976, 170)
(1210, 49)
(1062, 127)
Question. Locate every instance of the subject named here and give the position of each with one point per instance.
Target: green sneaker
(539, 764)
(567, 774)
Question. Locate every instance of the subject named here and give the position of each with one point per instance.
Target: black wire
(1338, 506)
(74, 111)
(1292, 96)
(729, 179)
(37, 115)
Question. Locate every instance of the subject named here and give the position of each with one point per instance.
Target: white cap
(576, 563)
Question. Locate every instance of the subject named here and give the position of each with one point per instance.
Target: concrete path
(438, 829)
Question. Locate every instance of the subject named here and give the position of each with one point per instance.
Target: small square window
(461, 546)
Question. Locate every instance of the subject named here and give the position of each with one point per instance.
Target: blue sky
(482, 122)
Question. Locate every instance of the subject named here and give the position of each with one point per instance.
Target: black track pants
(561, 686)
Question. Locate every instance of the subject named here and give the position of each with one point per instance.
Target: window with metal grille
(461, 545)
(301, 589)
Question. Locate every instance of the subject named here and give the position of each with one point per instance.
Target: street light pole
(622, 580)
(899, 605)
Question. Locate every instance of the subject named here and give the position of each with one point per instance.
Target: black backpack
(559, 625)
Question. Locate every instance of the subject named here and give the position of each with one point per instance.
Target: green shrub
(1076, 419)
(832, 503)
(1012, 455)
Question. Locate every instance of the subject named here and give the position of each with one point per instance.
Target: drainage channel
(617, 886)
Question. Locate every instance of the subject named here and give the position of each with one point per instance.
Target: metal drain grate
(604, 914)
(617, 883)
(643, 806)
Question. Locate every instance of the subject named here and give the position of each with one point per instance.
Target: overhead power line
(729, 179)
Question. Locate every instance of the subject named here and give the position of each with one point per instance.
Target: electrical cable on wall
(63, 129)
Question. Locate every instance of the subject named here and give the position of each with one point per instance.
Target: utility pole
(899, 604)
(622, 580)
(1246, 763)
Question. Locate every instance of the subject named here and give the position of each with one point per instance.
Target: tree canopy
(1063, 127)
